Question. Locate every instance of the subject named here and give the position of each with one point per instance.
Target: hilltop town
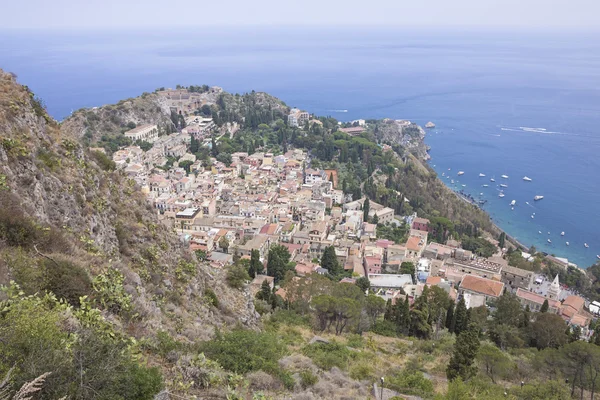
(225, 210)
(192, 243)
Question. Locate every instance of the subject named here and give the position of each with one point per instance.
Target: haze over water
(481, 90)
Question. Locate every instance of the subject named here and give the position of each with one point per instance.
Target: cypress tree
(463, 356)
(545, 306)
(461, 318)
(526, 316)
(366, 207)
(389, 311)
(450, 318)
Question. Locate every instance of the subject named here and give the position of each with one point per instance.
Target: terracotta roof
(482, 285)
(580, 320)
(433, 280)
(574, 302)
(536, 298)
(413, 243)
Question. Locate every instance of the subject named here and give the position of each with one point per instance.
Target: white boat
(527, 202)
(504, 176)
(461, 173)
(562, 233)
(549, 241)
(586, 245)
(485, 185)
(481, 175)
(503, 185)
(448, 169)
(532, 217)
(567, 243)
(512, 203)
(538, 197)
(527, 179)
(464, 185)
(492, 180)
(501, 195)
(540, 232)
(443, 174)
(481, 194)
(512, 208)
(452, 181)
(598, 256)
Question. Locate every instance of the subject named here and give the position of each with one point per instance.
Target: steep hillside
(109, 122)
(72, 225)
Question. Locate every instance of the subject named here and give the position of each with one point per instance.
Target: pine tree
(545, 306)
(463, 356)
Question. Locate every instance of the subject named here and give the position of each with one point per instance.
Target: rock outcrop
(61, 200)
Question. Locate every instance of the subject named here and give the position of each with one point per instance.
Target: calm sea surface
(511, 103)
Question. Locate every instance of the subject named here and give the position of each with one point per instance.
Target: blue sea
(516, 103)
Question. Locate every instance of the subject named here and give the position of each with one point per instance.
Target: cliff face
(61, 201)
(408, 135)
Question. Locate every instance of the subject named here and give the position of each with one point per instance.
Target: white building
(148, 133)
(297, 117)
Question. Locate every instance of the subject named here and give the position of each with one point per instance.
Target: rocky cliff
(408, 135)
(62, 202)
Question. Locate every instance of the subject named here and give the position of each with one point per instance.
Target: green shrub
(410, 382)
(362, 370)
(384, 328)
(111, 292)
(288, 317)
(49, 159)
(66, 280)
(242, 351)
(287, 379)
(355, 341)
(307, 378)
(328, 355)
(104, 161)
(16, 229)
(165, 343)
(211, 297)
(237, 276)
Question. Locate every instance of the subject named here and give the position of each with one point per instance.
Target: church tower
(554, 289)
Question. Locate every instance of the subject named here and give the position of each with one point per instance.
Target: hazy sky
(571, 14)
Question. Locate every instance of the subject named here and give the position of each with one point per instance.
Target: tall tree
(463, 356)
(450, 317)
(363, 283)
(461, 318)
(545, 306)
(366, 208)
(278, 262)
(256, 267)
(214, 149)
(549, 330)
(330, 262)
(502, 240)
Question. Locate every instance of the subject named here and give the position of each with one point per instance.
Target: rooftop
(390, 280)
(482, 285)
